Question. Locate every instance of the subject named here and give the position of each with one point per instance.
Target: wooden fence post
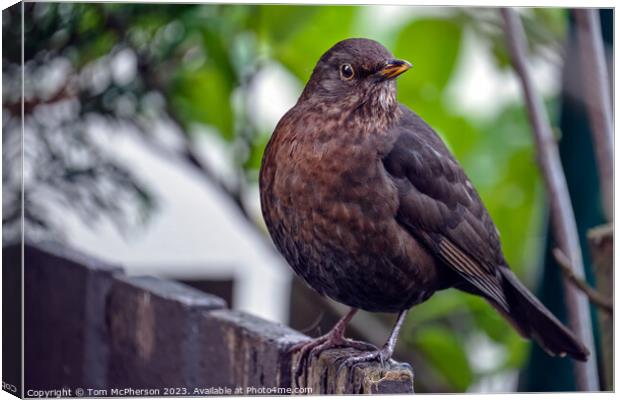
(91, 328)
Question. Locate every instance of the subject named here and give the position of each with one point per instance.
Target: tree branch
(595, 297)
(598, 99)
(562, 216)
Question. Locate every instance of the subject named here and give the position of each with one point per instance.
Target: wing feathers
(439, 206)
(469, 269)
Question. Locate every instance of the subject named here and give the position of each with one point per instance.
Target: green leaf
(438, 307)
(99, 46)
(446, 353)
(90, 20)
(489, 320)
(203, 96)
(432, 46)
(518, 349)
(277, 23)
(320, 31)
(257, 148)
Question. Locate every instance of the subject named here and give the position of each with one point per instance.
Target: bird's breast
(329, 206)
(338, 177)
(330, 181)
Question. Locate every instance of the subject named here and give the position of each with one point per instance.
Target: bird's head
(353, 73)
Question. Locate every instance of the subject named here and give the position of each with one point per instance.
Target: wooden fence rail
(89, 327)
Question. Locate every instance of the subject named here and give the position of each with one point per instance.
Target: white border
(508, 3)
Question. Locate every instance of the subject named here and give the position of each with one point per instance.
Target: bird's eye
(346, 71)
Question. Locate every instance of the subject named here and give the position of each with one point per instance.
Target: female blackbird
(370, 208)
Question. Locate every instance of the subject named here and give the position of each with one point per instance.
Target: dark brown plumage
(369, 207)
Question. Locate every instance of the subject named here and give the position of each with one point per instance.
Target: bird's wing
(439, 206)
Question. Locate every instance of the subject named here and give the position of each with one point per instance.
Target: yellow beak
(393, 68)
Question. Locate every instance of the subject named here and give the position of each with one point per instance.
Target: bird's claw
(313, 349)
(305, 349)
(382, 355)
(359, 345)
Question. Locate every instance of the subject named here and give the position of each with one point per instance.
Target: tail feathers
(533, 320)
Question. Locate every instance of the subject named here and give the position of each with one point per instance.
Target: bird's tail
(533, 320)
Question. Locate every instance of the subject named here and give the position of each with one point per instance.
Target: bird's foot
(313, 349)
(304, 349)
(349, 364)
(342, 342)
(382, 355)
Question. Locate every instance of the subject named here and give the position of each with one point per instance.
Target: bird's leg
(337, 339)
(383, 354)
(332, 339)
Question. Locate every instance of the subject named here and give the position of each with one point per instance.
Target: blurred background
(145, 126)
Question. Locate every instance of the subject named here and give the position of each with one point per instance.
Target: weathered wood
(112, 332)
(155, 334)
(252, 352)
(601, 241)
(12, 320)
(65, 341)
(257, 355)
(324, 377)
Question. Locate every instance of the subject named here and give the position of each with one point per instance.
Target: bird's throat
(383, 99)
(379, 108)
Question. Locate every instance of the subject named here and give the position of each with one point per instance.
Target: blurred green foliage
(202, 60)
